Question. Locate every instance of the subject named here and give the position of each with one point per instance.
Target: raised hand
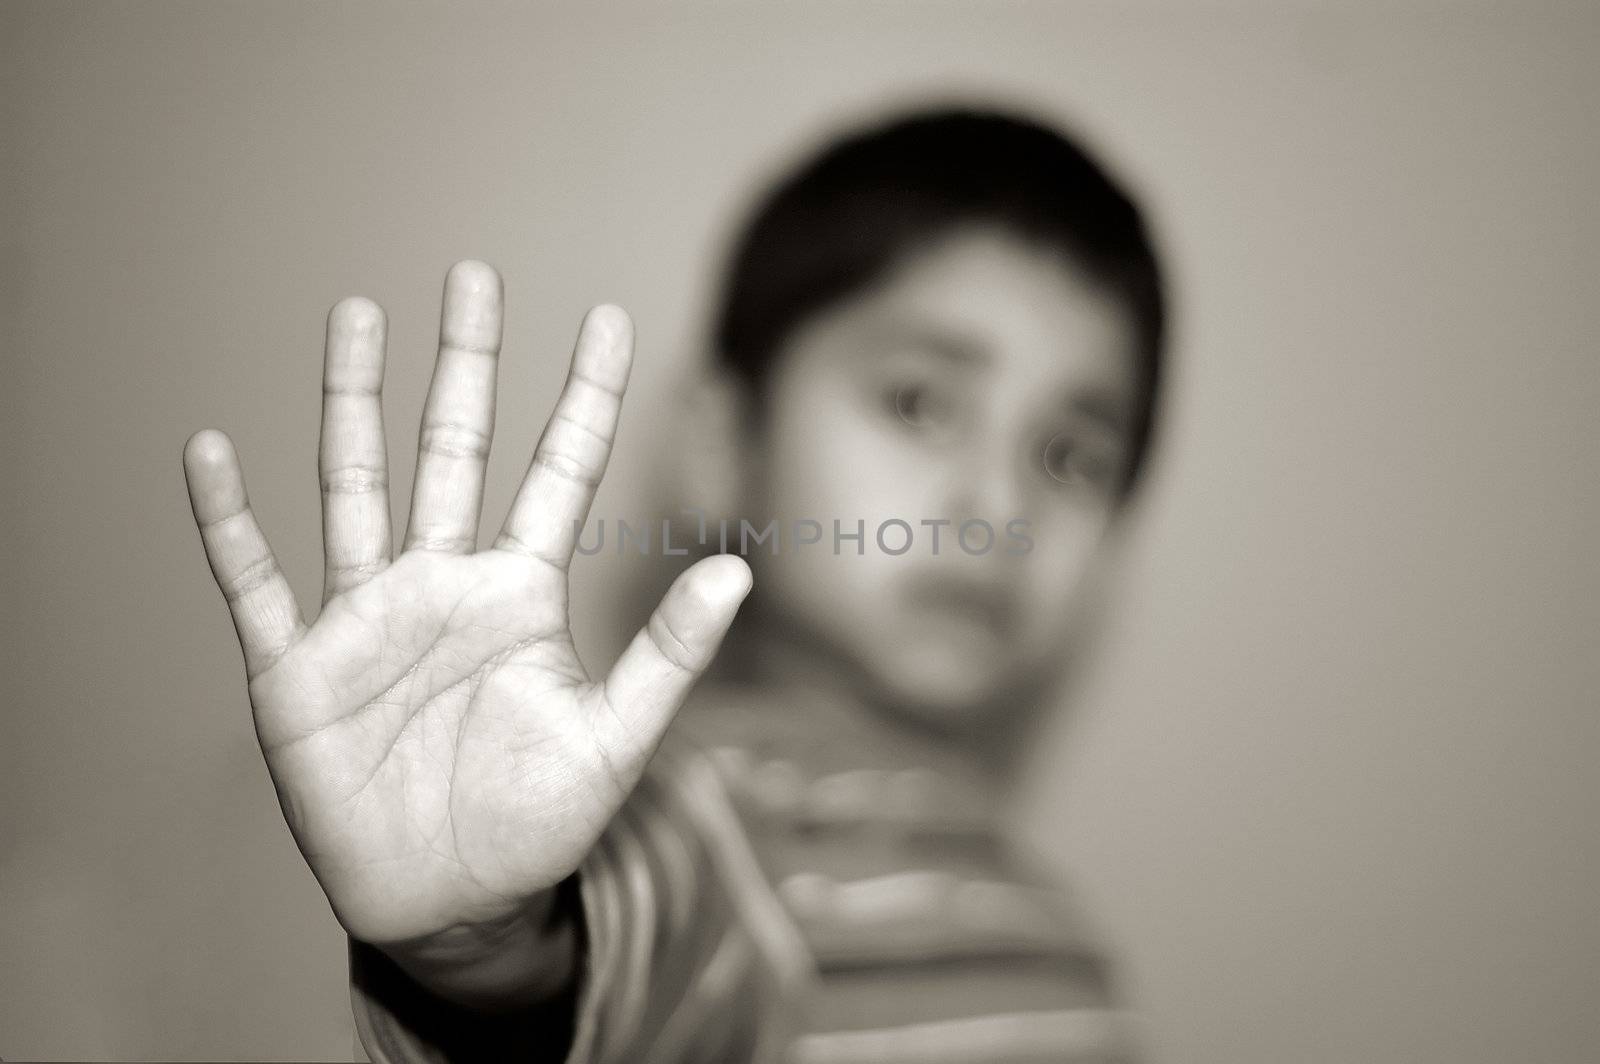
(441, 755)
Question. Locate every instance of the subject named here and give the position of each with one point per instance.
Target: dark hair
(848, 215)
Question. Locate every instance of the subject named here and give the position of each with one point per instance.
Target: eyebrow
(949, 345)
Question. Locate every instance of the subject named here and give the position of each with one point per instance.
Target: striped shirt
(792, 887)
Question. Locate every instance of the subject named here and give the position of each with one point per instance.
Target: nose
(986, 484)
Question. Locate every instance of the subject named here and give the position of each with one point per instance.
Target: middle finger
(458, 417)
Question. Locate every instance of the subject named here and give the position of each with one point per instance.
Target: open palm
(440, 753)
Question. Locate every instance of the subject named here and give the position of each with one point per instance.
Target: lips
(987, 605)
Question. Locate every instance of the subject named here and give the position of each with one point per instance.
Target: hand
(440, 753)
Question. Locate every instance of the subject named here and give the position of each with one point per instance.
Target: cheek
(824, 461)
(1066, 551)
(827, 459)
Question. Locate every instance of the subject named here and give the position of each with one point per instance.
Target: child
(937, 361)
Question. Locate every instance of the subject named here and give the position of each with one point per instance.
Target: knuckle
(342, 571)
(581, 380)
(250, 577)
(454, 440)
(354, 479)
(472, 341)
(447, 542)
(677, 651)
(569, 424)
(347, 387)
(567, 467)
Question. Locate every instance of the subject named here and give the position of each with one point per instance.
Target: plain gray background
(1330, 784)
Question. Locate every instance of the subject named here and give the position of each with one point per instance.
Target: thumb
(653, 676)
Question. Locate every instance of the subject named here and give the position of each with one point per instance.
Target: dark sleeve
(398, 1020)
(684, 952)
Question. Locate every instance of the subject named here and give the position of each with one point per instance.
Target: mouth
(970, 603)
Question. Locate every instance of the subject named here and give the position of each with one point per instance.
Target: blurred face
(971, 412)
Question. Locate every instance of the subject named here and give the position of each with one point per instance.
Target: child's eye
(1073, 462)
(923, 408)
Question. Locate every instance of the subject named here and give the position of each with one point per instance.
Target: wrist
(500, 965)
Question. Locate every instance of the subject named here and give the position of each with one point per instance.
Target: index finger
(572, 453)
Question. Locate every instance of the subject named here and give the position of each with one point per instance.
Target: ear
(715, 451)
